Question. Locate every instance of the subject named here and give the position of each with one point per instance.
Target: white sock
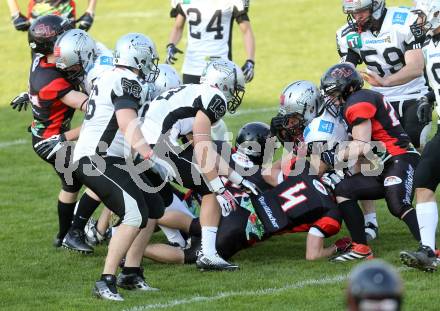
(371, 217)
(427, 216)
(209, 235)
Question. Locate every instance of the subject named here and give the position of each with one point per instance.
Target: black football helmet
(338, 83)
(45, 30)
(249, 136)
(374, 285)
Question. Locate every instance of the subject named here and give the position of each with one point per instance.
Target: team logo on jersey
(320, 187)
(326, 126)
(354, 41)
(399, 18)
(131, 88)
(391, 181)
(106, 60)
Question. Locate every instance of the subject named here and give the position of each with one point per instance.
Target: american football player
(114, 101)
(209, 34)
(371, 117)
(382, 39)
(191, 110)
(427, 177)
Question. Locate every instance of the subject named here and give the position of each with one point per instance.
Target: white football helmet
(376, 7)
(75, 47)
(135, 50)
(429, 17)
(228, 78)
(168, 79)
(300, 102)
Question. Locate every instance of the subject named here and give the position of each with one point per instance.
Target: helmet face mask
(428, 21)
(374, 9)
(137, 51)
(228, 78)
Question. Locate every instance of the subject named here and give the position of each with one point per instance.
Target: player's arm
(248, 39)
(13, 7)
(359, 146)
(128, 124)
(177, 30)
(76, 100)
(86, 20)
(273, 175)
(91, 7)
(19, 21)
(72, 134)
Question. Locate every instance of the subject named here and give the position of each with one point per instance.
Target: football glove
(85, 21)
(172, 50)
(245, 184)
(276, 124)
(226, 201)
(20, 22)
(21, 101)
(343, 244)
(48, 147)
(248, 70)
(424, 110)
(332, 179)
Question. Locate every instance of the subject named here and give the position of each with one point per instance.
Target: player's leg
(399, 190)
(75, 239)
(371, 225)
(427, 178)
(417, 132)
(166, 254)
(348, 192)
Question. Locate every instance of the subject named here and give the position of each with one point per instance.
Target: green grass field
(295, 40)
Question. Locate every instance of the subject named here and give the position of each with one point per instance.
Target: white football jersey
(115, 89)
(326, 128)
(103, 62)
(173, 112)
(384, 52)
(431, 52)
(209, 30)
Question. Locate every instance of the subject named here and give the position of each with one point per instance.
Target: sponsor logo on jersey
(434, 55)
(320, 187)
(378, 41)
(306, 132)
(268, 212)
(391, 181)
(106, 60)
(354, 41)
(399, 18)
(326, 126)
(186, 1)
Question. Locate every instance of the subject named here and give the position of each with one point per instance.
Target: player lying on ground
(276, 211)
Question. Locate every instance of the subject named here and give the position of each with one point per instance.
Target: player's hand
(172, 50)
(248, 70)
(226, 201)
(162, 168)
(424, 110)
(250, 186)
(343, 244)
(276, 124)
(47, 148)
(373, 78)
(20, 22)
(85, 21)
(21, 101)
(332, 179)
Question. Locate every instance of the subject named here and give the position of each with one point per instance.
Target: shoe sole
(75, 250)
(412, 262)
(208, 269)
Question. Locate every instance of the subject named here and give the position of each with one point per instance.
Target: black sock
(65, 216)
(354, 220)
(195, 229)
(131, 270)
(411, 221)
(86, 207)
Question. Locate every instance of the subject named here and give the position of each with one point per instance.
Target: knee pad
(135, 215)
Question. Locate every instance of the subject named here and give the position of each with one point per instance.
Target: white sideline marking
(265, 291)
(6, 144)
(221, 295)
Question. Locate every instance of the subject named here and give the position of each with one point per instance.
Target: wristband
(81, 107)
(235, 178)
(216, 184)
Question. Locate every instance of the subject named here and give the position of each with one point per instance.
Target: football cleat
(371, 231)
(93, 237)
(423, 259)
(214, 262)
(343, 244)
(75, 240)
(106, 289)
(355, 252)
(57, 241)
(134, 281)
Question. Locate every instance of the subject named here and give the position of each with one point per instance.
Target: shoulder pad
(400, 16)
